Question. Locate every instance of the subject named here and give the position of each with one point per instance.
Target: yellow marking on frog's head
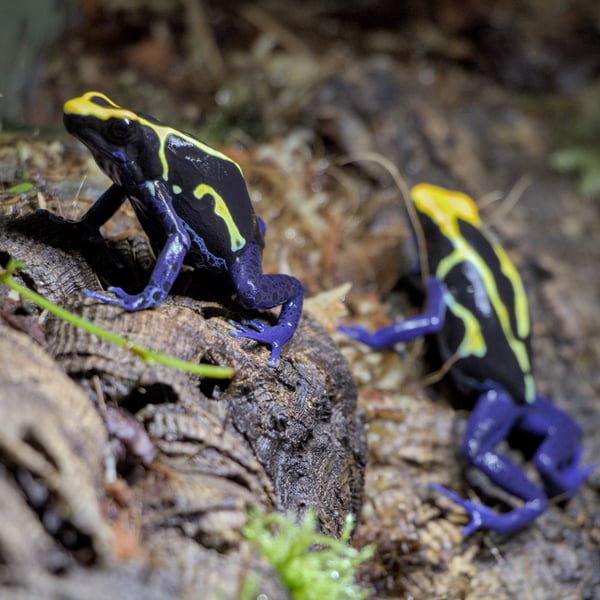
(445, 207)
(96, 104)
(100, 106)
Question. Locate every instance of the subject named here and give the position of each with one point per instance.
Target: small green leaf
(21, 188)
(584, 162)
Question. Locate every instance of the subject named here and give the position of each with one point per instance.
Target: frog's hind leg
(493, 417)
(558, 456)
(257, 291)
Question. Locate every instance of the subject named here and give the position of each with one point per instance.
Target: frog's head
(444, 209)
(122, 142)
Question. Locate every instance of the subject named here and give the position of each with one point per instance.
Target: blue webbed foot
(251, 326)
(256, 329)
(149, 298)
(483, 517)
(574, 476)
(255, 291)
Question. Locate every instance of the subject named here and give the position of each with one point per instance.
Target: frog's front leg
(87, 228)
(257, 291)
(430, 320)
(100, 212)
(157, 206)
(558, 456)
(493, 417)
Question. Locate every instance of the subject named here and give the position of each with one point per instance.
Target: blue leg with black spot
(257, 291)
(157, 205)
(429, 321)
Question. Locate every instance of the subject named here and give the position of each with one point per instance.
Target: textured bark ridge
(149, 465)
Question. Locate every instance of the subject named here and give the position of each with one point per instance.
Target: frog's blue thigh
(557, 458)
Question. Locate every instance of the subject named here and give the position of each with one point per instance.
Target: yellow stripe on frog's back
(445, 208)
(521, 304)
(237, 241)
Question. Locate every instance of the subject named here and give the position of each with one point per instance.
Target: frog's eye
(121, 130)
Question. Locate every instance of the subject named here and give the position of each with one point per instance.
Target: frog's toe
(351, 330)
(570, 479)
(52, 217)
(79, 229)
(259, 331)
(105, 298)
(149, 298)
(562, 478)
(255, 330)
(255, 325)
(475, 510)
(249, 328)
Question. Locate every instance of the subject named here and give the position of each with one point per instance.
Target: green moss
(584, 163)
(578, 134)
(311, 565)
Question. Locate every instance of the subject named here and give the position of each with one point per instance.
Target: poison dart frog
(477, 311)
(192, 202)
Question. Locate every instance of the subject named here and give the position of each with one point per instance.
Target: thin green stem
(149, 356)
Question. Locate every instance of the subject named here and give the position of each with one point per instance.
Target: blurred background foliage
(243, 69)
(247, 67)
(578, 140)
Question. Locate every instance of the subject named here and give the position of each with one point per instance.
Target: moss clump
(311, 565)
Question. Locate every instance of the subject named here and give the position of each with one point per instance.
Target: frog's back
(211, 197)
(487, 323)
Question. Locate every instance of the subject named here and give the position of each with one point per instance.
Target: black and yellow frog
(477, 311)
(192, 202)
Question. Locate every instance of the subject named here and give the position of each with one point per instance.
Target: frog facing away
(193, 204)
(477, 311)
